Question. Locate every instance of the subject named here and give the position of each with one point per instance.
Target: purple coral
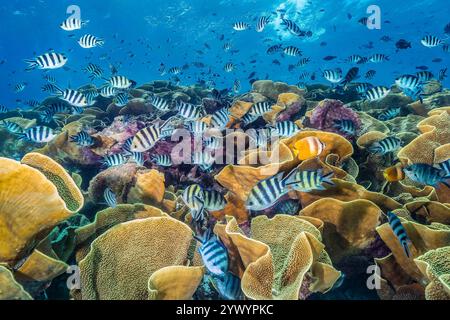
(328, 111)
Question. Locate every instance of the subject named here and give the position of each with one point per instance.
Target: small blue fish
(162, 160)
(229, 287)
(214, 255)
(426, 174)
(114, 160)
(385, 146)
(345, 126)
(12, 127)
(399, 232)
(83, 139)
(110, 198)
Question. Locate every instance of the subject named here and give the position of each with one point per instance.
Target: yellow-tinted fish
(308, 148)
(394, 174)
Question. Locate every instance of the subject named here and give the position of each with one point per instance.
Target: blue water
(170, 32)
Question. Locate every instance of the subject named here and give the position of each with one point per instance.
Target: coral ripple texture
(224, 150)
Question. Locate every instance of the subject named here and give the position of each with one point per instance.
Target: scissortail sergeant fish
(115, 160)
(377, 93)
(73, 97)
(162, 160)
(400, 232)
(408, 82)
(120, 82)
(89, 41)
(445, 167)
(229, 286)
(292, 27)
(334, 76)
(220, 118)
(307, 181)
(431, 41)
(214, 201)
(11, 127)
(346, 126)
(214, 255)
(189, 111)
(426, 174)
(389, 114)
(194, 199)
(267, 192)
(73, 24)
(39, 134)
(198, 128)
(385, 146)
(50, 60)
(110, 198)
(146, 138)
(241, 26)
(82, 139)
(292, 51)
(262, 23)
(260, 108)
(160, 103)
(286, 128)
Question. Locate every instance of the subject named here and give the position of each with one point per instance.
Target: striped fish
(267, 192)
(362, 88)
(214, 201)
(77, 110)
(377, 93)
(408, 81)
(189, 111)
(229, 287)
(260, 108)
(122, 99)
(162, 160)
(425, 75)
(73, 97)
(50, 60)
(431, 41)
(73, 24)
(241, 26)
(198, 128)
(354, 59)
(400, 232)
(121, 82)
(378, 58)
(229, 67)
(262, 23)
(160, 103)
(345, 126)
(20, 87)
(89, 41)
(274, 49)
(110, 198)
(370, 74)
(3, 109)
(389, 114)
(304, 75)
(193, 197)
(94, 71)
(220, 118)
(146, 138)
(108, 91)
(445, 167)
(213, 143)
(308, 181)
(203, 159)
(12, 127)
(286, 128)
(292, 51)
(214, 255)
(334, 76)
(248, 119)
(138, 158)
(385, 146)
(49, 79)
(83, 139)
(426, 174)
(39, 134)
(114, 160)
(50, 88)
(33, 103)
(292, 27)
(303, 62)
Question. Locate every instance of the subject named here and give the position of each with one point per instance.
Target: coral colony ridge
(278, 150)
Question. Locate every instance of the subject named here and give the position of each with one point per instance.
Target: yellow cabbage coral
(122, 260)
(435, 265)
(9, 288)
(279, 256)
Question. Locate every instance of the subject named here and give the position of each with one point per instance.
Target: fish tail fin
(327, 178)
(32, 64)
(21, 136)
(85, 22)
(290, 178)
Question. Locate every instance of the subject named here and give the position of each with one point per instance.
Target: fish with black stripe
(377, 93)
(94, 71)
(334, 76)
(214, 201)
(260, 108)
(122, 99)
(188, 110)
(385, 146)
(121, 82)
(351, 75)
(310, 180)
(345, 126)
(3, 109)
(203, 159)
(39, 134)
(228, 286)
(292, 51)
(198, 128)
(20, 87)
(72, 24)
(262, 23)
(108, 91)
(89, 41)
(220, 118)
(214, 254)
(193, 197)
(408, 81)
(378, 58)
(50, 88)
(241, 26)
(110, 198)
(82, 139)
(286, 128)
(425, 75)
(138, 158)
(160, 103)
(292, 27)
(400, 232)
(267, 192)
(162, 160)
(389, 114)
(431, 41)
(50, 60)
(445, 167)
(427, 175)
(114, 160)
(73, 97)
(12, 127)
(146, 138)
